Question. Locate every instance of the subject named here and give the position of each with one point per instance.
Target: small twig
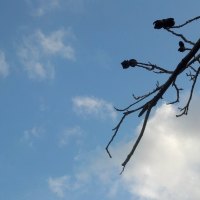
(138, 139)
(186, 107)
(140, 98)
(154, 67)
(125, 114)
(181, 36)
(114, 135)
(187, 49)
(187, 22)
(177, 94)
(197, 58)
(191, 67)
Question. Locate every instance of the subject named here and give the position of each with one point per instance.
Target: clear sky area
(60, 78)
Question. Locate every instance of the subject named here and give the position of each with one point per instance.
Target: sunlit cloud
(165, 166)
(4, 66)
(92, 106)
(37, 50)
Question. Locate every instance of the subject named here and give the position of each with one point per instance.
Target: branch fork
(160, 90)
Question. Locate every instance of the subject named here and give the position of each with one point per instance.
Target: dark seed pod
(168, 23)
(129, 63)
(181, 46)
(158, 24)
(133, 62)
(164, 23)
(125, 64)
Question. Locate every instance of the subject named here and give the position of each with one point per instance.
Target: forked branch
(147, 105)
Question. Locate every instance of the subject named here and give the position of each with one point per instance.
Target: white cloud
(70, 134)
(30, 135)
(93, 106)
(54, 43)
(4, 66)
(165, 166)
(36, 52)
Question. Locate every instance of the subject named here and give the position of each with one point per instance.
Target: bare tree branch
(147, 104)
(125, 114)
(140, 98)
(138, 139)
(179, 69)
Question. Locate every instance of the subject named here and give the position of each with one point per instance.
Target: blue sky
(60, 77)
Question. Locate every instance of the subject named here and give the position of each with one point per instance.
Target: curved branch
(116, 129)
(154, 67)
(138, 139)
(187, 22)
(177, 94)
(186, 107)
(140, 98)
(181, 36)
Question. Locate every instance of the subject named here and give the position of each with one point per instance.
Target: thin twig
(187, 22)
(181, 36)
(140, 98)
(177, 94)
(186, 107)
(138, 139)
(154, 67)
(125, 114)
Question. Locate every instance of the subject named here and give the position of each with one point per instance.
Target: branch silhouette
(187, 63)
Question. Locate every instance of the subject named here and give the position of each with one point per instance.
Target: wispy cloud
(70, 134)
(4, 66)
(93, 106)
(60, 185)
(30, 135)
(96, 175)
(42, 7)
(54, 43)
(37, 50)
(165, 165)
